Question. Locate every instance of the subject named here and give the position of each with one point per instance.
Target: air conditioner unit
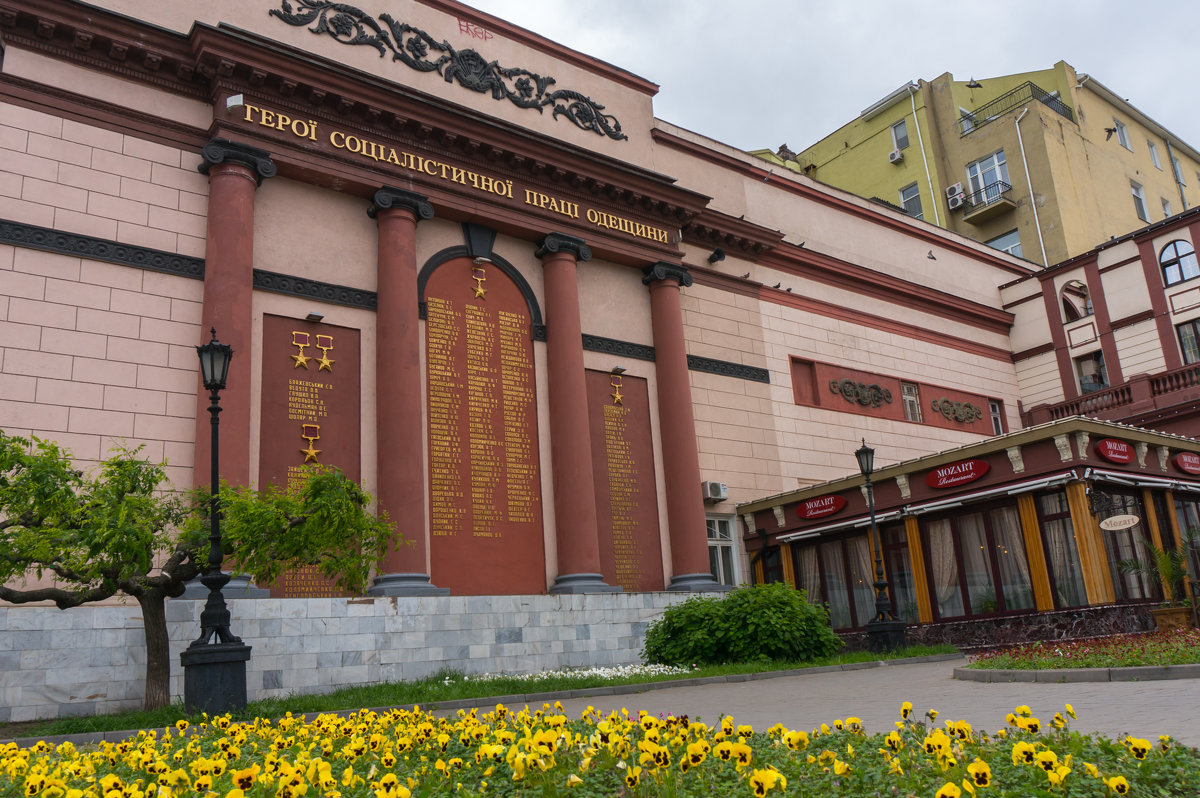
(954, 190)
(895, 156)
(714, 491)
(957, 201)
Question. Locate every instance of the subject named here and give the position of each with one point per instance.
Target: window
(1092, 376)
(838, 573)
(1177, 168)
(1178, 261)
(1122, 134)
(899, 135)
(912, 401)
(966, 120)
(1188, 513)
(977, 564)
(1010, 242)
(1062, 554)
(1154, 154)
(1130, 543)
(1076, 301)
(721, 559)
(988, 178)
(996, 410)
(910, 200)
(1189, 340)
(1139, 201)
(1166, 206)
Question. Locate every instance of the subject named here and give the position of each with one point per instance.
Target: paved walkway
(1143, 709)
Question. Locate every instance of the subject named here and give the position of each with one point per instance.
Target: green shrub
(751, 624)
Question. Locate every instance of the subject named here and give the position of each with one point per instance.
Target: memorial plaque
(485, 488)
(311, 413)
(623, 465)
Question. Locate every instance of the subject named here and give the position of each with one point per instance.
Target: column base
(697, 583)
(583, 583)
(214, 677)
(884, 636)
(238, 587)
(405, 585)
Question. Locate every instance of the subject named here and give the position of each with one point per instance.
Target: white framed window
(1166, 205)
(1092, 374)
(1139, 201)
(722, 553)
(1010, 242)
(900, 135)
(1154, 154)
(910, 201)
(912, 400)
(996, 410)
(1122, 134)
(966, 120)
(1177, 168)
(990, 176)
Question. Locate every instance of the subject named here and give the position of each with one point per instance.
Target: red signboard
(821, 506)
(960, 473)
(1188, 462)
(1114, 451)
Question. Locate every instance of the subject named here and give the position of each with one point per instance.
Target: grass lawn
(1181, 647)
(445, 686)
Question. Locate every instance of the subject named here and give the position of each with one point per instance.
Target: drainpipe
(1175, 173)
(1032, 200)
(934, 198)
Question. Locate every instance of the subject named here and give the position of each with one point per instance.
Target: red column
(677, 430)
(576, 524)
(399, 393)
(234, 172)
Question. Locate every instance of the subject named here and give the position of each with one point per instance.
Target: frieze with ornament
(866, 395)
(962, 412)
(418, 50)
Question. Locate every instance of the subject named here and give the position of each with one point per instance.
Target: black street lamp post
(214, 671)
(884, 631)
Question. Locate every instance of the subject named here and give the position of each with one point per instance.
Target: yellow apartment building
(1042, 165)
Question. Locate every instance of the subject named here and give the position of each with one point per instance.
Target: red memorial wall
(485, 497)
(623, 462)
(310, 414)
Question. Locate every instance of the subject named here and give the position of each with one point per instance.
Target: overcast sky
(758, 73)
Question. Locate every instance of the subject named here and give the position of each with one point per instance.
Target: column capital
(391, 197)
(218, 151)
(561, 242)
(666, 271)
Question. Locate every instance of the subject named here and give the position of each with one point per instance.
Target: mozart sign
(960, 473)
(1114, 451)
(1188, 462)
(821, 506)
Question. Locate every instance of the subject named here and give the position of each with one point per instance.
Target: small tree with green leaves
(122, 530)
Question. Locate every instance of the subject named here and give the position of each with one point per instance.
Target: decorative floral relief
(962, 412)
(348, 25)
(866, 395)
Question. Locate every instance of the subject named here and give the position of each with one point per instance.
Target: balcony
(1012, 100)
(988, 203)
(1159, 401)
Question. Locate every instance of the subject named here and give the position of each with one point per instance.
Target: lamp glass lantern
(866, 459)
(214, 362)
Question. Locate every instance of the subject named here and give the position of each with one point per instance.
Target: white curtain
(835, 585)
(1015, 583)
(981, 588)
(945, 570)
(862, 578)
(809, 573)
(1063, 554)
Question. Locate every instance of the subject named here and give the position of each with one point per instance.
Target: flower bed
(401, 753)
(1180, 647)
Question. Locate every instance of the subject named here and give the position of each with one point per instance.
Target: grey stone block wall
(92, 659)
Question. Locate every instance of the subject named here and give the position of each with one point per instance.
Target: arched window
(1178, 261)
(1076, 302)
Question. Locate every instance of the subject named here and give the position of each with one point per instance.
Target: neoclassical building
(560, 339)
